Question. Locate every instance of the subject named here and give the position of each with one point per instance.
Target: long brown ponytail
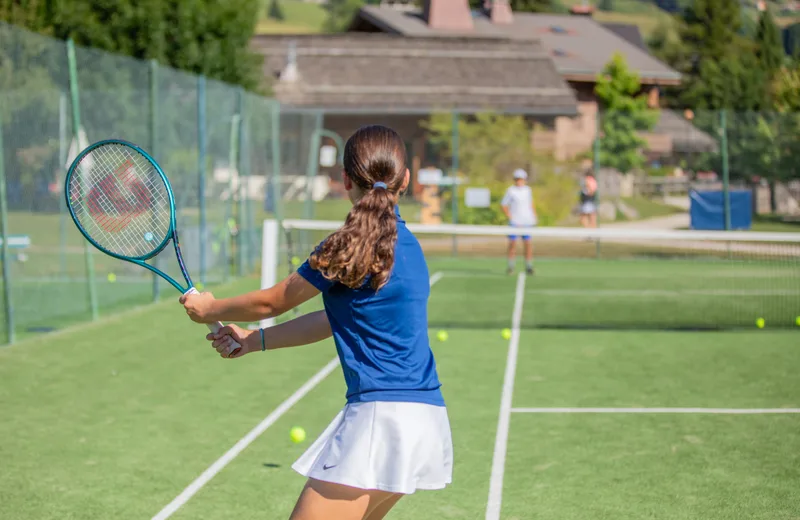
(364, 246)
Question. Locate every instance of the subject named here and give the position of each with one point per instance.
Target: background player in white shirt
(518, 206)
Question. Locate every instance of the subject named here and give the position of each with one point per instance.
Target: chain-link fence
(221, 147)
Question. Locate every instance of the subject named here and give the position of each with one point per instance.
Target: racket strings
(120, 200)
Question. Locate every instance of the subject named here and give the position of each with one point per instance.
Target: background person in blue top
(393, 435)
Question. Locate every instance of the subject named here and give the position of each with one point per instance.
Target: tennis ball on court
(506, 333)
(442, 335)
(112, 277)
(295, 261)
(797, 321)
(760, 323)
(297, 434)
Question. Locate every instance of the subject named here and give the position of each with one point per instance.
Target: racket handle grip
(215, 327)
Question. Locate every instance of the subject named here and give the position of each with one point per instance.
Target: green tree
(210, 37)
(341, 14)
(275, 12)
(606, 5)
(625, 115)
(769, 47)
(714, 59)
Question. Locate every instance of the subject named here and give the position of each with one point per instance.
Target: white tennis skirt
(392, 446)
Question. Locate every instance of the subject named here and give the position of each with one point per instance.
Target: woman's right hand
(223, 341)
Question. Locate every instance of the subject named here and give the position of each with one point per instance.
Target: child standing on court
(393, 435)
(517, 204)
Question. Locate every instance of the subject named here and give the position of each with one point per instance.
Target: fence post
(201, 170)
(8, 305)
(454, 177)
(63, 157)
(233, 166)
(275, 181)
(726, 195)
(244, 186)
(76, 131)
(312, 168)
(596, 170)
(154, 148)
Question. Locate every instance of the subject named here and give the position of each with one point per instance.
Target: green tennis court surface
(116, 419)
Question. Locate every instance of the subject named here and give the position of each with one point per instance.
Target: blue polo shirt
(382, 336)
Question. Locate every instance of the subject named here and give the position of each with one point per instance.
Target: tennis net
(604, 278)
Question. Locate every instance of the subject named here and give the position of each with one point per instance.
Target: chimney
(501, 12)
(447, 15)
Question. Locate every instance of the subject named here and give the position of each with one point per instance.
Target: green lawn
(648, 208)
(299, 17)
(114, 419)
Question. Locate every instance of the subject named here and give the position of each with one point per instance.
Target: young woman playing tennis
(393, 435)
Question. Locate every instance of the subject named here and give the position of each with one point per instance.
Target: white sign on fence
(477, 197)
(430, 176)
(327, 156)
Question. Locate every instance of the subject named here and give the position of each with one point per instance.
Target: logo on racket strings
(118, 198)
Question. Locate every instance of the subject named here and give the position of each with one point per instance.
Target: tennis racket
(123, 205)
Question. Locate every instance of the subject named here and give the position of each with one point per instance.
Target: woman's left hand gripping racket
(123, 204)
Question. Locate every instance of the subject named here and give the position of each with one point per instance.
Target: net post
(269, 262)
(6, 277)
(726, 195)
(454, 176)
(154, 147)
(201, 170)
(76, 132)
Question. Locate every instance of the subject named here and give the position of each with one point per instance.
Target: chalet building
(397, 64)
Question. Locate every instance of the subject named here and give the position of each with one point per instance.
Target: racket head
(121, 200)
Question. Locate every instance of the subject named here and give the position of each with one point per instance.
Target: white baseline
(252, 435)
(501, 441)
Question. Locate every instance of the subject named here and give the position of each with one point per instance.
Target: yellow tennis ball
(297, 434)
(760, 323)
(506, 333)
(112, 277)
(797, 321)
(295, 261)
(442, 335)
(198, 286)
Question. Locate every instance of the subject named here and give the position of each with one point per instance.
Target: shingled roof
(380, 73)
(579, 46)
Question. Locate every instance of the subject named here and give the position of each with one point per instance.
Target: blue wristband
(263, 345)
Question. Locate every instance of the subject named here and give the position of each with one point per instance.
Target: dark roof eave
(645, 79)
(376, 21)
(415, 111)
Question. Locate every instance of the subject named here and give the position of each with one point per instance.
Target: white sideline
(731, 411)
(253, 434)
(501, 441)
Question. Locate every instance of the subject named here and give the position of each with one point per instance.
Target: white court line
(251, 436)
(435, 277)
(731, 411)
(245, 441)
(501, 441)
